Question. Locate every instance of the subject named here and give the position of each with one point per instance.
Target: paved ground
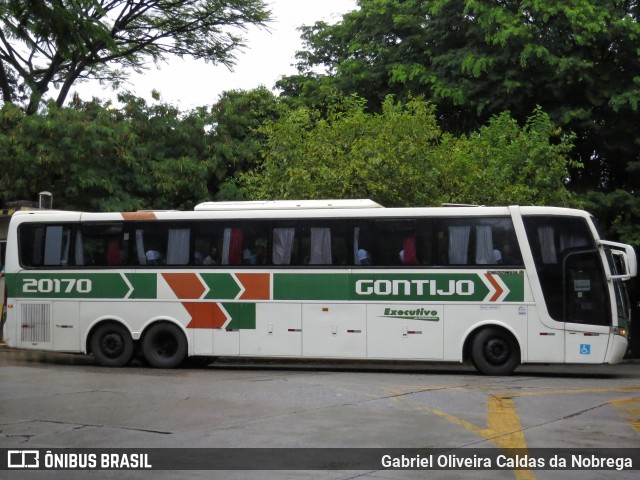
(56, 400)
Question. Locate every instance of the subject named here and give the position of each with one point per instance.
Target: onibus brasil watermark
(615, 459)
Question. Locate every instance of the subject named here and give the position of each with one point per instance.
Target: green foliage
(618, 214)
(237, 116)
(44, 43)
(400, 157)
(503, 163)
(577, 59)
(97, 158)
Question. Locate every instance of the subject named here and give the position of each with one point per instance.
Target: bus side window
(208, 242)
(255, 252)
(101, 244)
(46, 245)
(477, 241)
(178, 246)
(283, 243)
(150, 244)
(31, 239)
(361, 250)
(325, 242)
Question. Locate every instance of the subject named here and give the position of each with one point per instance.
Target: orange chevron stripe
(257, 286)
(185, 285)
(205, 315)
(496, 285)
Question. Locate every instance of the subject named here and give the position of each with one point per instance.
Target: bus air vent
(36, 322)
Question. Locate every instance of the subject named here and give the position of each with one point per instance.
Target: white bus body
(497, 285)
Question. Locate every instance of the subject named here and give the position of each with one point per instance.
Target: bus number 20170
(56, 285)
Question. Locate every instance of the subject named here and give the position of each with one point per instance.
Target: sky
(267, 56)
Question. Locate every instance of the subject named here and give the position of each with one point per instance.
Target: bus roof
(287, 205)
(290, 209)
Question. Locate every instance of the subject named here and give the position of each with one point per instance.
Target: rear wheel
(112, 345)
(495, 352)
(164, 345)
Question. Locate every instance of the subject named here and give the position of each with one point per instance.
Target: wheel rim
(497, 351)
(165, 345)
(112, 345)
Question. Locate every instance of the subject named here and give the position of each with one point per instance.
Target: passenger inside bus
(154, 257)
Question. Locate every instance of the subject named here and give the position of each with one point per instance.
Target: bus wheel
(112, 345)
(495, 352)
(164, 345)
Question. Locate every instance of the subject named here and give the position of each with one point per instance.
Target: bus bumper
(619, 346)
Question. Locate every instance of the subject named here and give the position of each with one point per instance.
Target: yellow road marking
(629, 408)
(504, 428)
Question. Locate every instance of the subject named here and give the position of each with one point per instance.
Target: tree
(400, 157)
(60, 42)
(237, 116)
(474, 59)
(96, 158)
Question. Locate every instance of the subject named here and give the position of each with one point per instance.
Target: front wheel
(495, 352)
(112, 345)
(164, 345)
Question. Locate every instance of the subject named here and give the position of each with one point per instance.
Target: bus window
(284, 244)
(552, 241)
(395, 242)
(101, 244)
(256, 241)
(178, 246)
(208, 243)
(325, 243)
(45, 245)
(162, 244)
(477, 241)
(151, 244)
(585, 287)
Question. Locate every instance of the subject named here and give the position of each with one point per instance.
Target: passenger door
(587, 307)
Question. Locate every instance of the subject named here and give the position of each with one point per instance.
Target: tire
(495, 352)
(164, 345)
(112, 345)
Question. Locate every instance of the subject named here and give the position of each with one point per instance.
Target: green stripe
(440, 287)
(305, 286)
(243, 315)
(145, 285)
(360, 286)
(221, 286)
(515, 283)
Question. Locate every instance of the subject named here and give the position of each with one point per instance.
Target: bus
(323, 279)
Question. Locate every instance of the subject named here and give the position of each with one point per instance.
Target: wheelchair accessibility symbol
(585, 349)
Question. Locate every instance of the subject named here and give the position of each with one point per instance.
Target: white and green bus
(345, 279)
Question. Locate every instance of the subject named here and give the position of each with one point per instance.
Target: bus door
(587, 307)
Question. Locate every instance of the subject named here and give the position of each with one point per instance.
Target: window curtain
(142, 258)
(547, 244)
(356, 245)
(459, 245)
(54, 246)
(232, 246)
(79, 248)
(570, 240)
(321, 246)
(409, 253)
(178, 246)
(484, 246)
(282, 245)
